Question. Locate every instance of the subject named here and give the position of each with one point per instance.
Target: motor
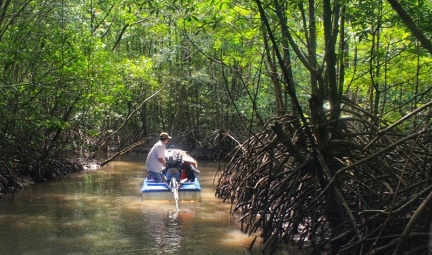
(173, 166)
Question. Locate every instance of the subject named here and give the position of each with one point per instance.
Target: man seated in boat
(188, 172)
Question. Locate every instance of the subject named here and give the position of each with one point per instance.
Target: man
(156, 158)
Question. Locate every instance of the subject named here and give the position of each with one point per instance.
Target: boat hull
(188, 191)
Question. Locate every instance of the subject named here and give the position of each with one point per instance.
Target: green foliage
(80, 68)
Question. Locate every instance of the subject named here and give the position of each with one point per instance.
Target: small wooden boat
(188, 189)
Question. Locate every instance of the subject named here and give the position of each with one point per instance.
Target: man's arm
(162, 160)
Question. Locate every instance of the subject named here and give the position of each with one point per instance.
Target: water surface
(103, 213)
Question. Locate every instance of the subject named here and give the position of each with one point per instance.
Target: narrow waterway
(103, 212)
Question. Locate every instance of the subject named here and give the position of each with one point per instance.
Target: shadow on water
(103, 213)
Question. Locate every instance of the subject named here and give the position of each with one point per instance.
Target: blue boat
(188, 191)
(187, 188)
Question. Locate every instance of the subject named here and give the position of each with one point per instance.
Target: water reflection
(103, 213)
(169, 228)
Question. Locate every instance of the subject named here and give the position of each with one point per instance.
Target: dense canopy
(327, 94)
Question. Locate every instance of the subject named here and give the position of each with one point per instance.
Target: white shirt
(157, 151)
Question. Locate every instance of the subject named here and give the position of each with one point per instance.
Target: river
(103, 212)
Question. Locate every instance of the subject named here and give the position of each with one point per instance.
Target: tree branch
(425, 42)
(124, 123)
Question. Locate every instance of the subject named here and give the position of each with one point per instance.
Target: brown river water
(103, 212)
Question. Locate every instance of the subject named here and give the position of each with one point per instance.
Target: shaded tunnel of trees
(318, 111)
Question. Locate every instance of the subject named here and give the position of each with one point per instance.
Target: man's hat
(165, 135)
